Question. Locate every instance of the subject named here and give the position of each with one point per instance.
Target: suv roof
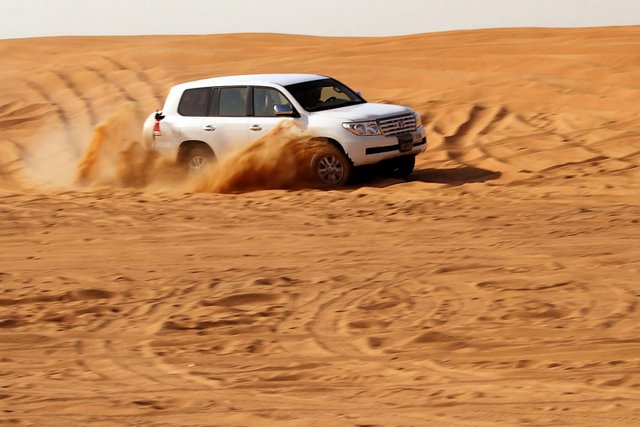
(254, 79)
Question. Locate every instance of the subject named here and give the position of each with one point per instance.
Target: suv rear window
(195, 102)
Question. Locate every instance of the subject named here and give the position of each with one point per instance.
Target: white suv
(207, 119)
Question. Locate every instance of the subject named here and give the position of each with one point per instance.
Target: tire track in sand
(71, 86)
(480, 121)
(62, 115)
(141, 74)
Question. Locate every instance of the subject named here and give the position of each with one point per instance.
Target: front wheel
(331, 167)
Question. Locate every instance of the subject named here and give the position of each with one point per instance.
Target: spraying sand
(279, 160)
(282, 159)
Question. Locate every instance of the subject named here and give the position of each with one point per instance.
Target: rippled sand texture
(499, 287)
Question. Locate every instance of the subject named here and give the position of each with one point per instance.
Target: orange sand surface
(498, 286)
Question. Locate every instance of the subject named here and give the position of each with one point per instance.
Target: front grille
(397, 125)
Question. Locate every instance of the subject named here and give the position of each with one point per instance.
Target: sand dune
(498, 287)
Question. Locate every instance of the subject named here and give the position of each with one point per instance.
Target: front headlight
(418, 120)
(362, 128)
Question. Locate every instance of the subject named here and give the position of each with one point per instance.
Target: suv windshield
(325, 94)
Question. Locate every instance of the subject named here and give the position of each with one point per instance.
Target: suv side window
(232, 101)
(264, 99)
(195, 102)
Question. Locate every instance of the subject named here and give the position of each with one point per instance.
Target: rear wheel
(196, 158)
(331, 166)
(400, 167)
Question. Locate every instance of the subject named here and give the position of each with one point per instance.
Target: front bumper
(366, 150)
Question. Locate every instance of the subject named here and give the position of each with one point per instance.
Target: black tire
(400, 167)
(197, 158)
(331, 167)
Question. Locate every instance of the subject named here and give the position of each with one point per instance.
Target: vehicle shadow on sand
(452, 176)
(455, 176)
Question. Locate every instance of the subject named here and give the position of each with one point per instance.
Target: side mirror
(359, 94)
(283, 110)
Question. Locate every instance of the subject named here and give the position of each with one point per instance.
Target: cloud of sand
(117, 157)
(278, 160)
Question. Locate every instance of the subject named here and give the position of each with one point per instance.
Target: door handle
(256, 127)
(209, 128)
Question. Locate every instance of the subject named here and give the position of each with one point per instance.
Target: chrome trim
(283, 109)
(391, 126)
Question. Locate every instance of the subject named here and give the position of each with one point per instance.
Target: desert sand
(498, 286)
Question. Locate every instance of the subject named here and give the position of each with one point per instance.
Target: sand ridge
(499, 286)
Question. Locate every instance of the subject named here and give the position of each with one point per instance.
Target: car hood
(366, 111)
